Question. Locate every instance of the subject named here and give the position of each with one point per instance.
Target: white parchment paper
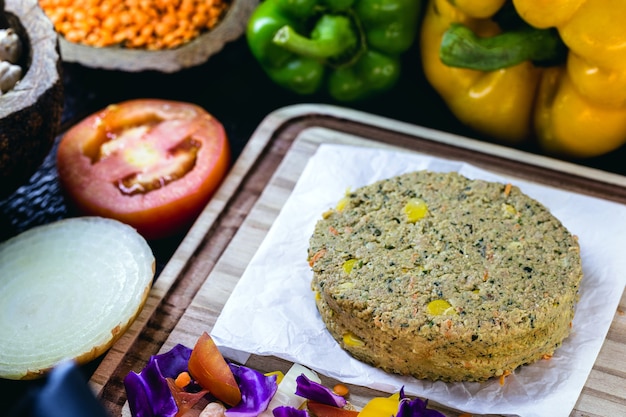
(272, 311)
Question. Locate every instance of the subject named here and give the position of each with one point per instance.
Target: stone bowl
(193, 53)
(30, 112)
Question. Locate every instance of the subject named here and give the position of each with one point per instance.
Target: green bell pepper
(348, 48)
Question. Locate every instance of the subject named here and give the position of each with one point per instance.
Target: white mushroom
(10, 46)
(9, 76)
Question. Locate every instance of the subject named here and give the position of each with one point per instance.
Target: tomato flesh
(153, 164)
(324, 410)
(209, 368)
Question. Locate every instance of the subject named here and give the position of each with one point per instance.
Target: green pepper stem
(332, 37)
(460, 47)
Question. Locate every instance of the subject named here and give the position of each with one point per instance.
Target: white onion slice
(68, 290)
(286, 393)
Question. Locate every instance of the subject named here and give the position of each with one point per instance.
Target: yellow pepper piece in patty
(415, 209)
(440, 307)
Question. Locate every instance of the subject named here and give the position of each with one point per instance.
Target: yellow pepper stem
(462, 48)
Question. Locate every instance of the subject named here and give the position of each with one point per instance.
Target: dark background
(233, 88)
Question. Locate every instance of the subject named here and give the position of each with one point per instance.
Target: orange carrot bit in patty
(317, 257)
(507, 189)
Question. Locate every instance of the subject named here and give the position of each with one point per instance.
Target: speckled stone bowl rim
(196, 52)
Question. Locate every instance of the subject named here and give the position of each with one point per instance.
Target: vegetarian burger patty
(444, 278)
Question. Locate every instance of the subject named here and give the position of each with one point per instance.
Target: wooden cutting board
(190, 292)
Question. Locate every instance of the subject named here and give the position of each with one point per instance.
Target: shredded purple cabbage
(148, 393)
(315, 391)
(174, 361)
(416, 408)
(256, 391)
(286, 411)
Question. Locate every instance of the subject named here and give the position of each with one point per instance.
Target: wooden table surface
(231, 86)
(204, 270)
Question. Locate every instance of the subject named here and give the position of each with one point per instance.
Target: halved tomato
(153, 164)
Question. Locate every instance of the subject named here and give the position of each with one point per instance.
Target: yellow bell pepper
(575, 107)
(381, 406)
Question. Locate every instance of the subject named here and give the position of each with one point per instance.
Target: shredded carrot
(182, 380)
(547, 356)
(145, 24)
(341, 389)
(333, 231)
(503, 376)
(507, 189)
(485, 276)
(316, 257)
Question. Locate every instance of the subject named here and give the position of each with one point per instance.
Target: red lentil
(141, 24)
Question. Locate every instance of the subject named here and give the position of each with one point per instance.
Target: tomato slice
(152, 164)
(325, 410)
(209, 368)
